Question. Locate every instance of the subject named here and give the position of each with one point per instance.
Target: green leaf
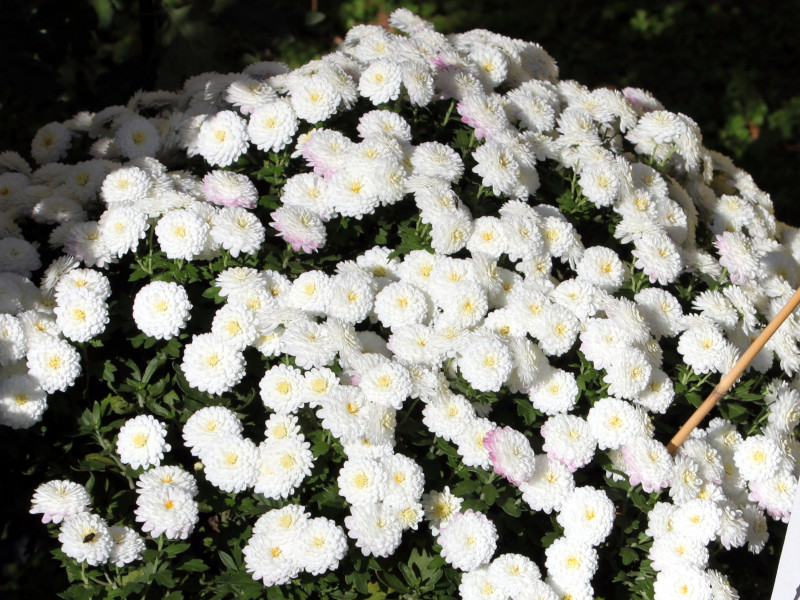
(227, 560)
(489, 493)
(628, 555)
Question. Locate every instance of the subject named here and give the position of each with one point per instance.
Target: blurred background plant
(729, 65)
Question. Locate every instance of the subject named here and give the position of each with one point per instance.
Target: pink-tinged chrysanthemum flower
(511, 454)
(300, 227)
(737, 255)
(230, 189)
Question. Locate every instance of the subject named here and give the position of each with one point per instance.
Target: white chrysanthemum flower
(323, 544)
(468, 541)
(440, 508)
(375, 529)
(81, 315)
(137, 137)
(182, 234)
(548, 488)
(19, 256)
(380, 81)
(55, 365)
(125, 186)
(700, 346)
(226, 188)
(683, 583)
(351, 297)
(628, 374)
(282, 389)
(697, 519)
(85, 537)
(235, 325)
(167, 476)
(447, 415)
(140, 442)
(404, 480)
(208, 425)
(662, 311)
(283, 463)
(433, 159)
(222, 138)
(613, 422)
(511, 454)
(737, 254)
(387, 384)
(488, 237)
(170, 511)
(272, 127)
(362, 481)
(556, 329)
(230, 463)
(514, 574)
(22, 401)
(211, 365)
(757, 457)
(127, 545)
(657, 255)
(161, 309)
(570, 561)
(556, 392)
(602, 267)
(399, 304)
(121, 228)
(237, 230)
(83, 279)
(51, 143)
(587, 515)
(58, 499)
(486, 363)
(314, 98)
(12, 339)
(569, 440)
(271, 558)
(675, 551)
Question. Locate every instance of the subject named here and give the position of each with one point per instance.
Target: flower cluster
(504, 297)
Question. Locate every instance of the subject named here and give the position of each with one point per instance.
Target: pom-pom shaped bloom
(387, 384)
(272, 127)
(468, 541)
(375, 528)
(222, 138)
(282, 389)
(380, 81)
(362, 481)
(140, 442)
(757, 457)
(570, 560)
(555, 393)
(511, 454)
(161, 309)
(237, 230)
(125, 186)
(486, 364)
(55, 365)
(211, 365)
(587, 515)
(170, 511)
(86, 538)
(283, 463)
(648, 462)
(182, 234)
(19, 256)
(207, 425)
(51, 143)
(549, 486)
(167, 476)
(270, 558)
(127, 545)
(137, 137)
(687, 583)
(300, 227)
(568, 438)
(230, 463)
(12, 339)
(22, 401)
(628, 373)
(701, 347)
(230, 189)
(322, 545)
(58, 499)
(738, 256)
(81, 315)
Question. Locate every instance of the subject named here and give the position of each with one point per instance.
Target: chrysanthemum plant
(414, 320)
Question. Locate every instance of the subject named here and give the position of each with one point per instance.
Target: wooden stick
(727, 382)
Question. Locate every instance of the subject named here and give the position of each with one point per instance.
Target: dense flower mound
(418, 284)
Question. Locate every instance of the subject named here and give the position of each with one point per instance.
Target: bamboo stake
(727, 382)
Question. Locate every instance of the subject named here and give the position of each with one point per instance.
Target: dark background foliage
(728, 65)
